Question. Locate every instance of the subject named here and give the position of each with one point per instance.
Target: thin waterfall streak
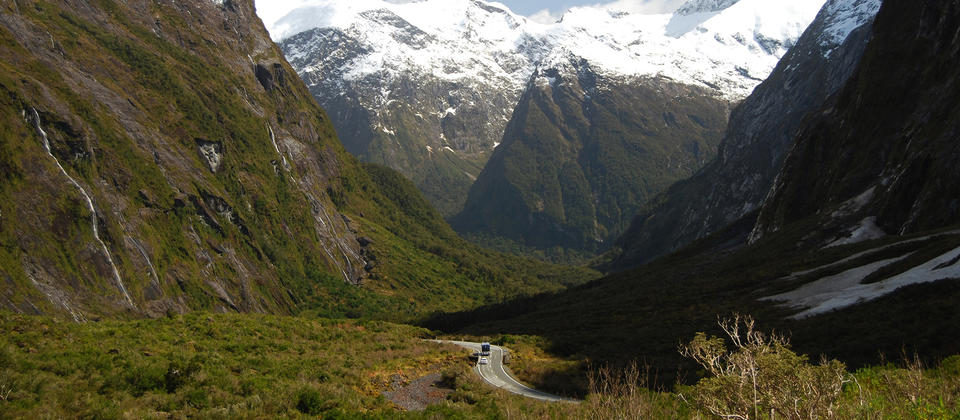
(153, 271)
(93, 210)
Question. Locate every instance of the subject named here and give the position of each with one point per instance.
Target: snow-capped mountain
(427, 87)
(722, 44)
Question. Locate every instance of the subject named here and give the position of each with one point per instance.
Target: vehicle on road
(484, 348)
(496, 375)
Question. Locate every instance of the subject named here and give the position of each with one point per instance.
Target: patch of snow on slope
(865, 253)
(844, 289)
(866, 230)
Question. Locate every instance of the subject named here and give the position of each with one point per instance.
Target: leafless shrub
(621, 394)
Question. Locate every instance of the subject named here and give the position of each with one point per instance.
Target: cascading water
(153, 271)
(277, 148)
(93, 211)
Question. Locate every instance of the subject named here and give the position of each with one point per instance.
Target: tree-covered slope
(164, 157)
(584, 151)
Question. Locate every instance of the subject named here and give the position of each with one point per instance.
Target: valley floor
(257, 366)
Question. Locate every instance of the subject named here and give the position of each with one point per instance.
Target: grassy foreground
(260, 366)
(205, 365)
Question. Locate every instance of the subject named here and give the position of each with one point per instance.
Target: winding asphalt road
(495, 374)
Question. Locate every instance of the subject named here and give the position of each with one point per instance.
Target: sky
(546, 11)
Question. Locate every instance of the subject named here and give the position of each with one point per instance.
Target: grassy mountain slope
(216, 181)
(643, 314)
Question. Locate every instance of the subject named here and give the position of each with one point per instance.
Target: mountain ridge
(895, 156)
(757, 139)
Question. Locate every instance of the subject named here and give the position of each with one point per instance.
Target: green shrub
(309, 401)
(178, 374)
(196, 398)
(950, 367)
(762, 375)
(141, 379)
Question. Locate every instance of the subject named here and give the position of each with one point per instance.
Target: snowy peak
(725, 45)
(442, 18)
(729, 50)
(450, 39)
(703, 6)
(449, 73)
(841, 17)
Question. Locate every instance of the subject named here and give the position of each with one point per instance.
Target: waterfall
(277, 148)
(153, 271)
(93, 211)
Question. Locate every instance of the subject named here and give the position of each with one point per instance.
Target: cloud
(270, 11)
(546, 16)
(643, 6)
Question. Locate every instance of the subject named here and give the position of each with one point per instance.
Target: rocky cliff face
(882, 158)
(760, 133)
(584, 150)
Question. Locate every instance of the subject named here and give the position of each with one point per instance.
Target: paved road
(495, 374)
